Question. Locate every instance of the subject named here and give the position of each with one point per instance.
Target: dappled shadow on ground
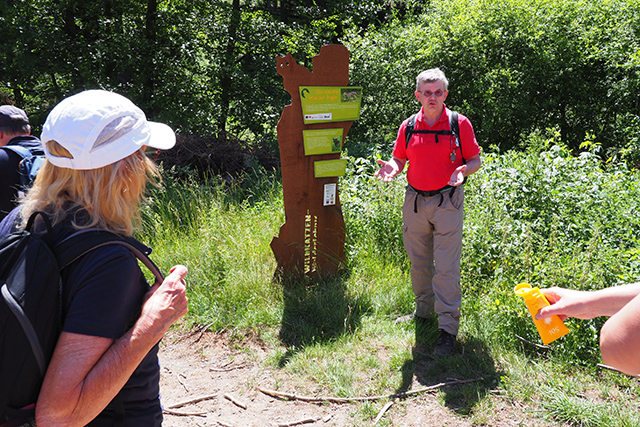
(470, 371)
(316, 311)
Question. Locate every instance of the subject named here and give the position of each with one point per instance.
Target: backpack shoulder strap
(32, 160)
(19, 150)
(455, 131)
(84, 241)
(408, 132)
(453, 123)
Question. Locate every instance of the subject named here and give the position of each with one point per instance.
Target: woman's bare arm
(86, 372)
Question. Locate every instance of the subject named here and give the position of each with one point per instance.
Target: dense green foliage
(202, 66)
(516, 67)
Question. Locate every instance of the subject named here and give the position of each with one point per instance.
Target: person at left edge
(14, 130)
(104, 371)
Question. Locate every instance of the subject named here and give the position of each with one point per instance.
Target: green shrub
(514, 67)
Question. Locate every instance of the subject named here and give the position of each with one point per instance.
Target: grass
(543, 216)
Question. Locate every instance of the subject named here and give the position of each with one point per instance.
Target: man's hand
(457, 177)
(389, 169)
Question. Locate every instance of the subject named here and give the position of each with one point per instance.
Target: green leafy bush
(515, 67)
(550, 219)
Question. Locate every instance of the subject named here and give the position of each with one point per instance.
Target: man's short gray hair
(432, 75)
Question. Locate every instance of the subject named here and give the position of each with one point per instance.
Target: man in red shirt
(433, 206)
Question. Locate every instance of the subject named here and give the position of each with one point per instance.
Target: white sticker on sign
(329, 194)
(322, 116)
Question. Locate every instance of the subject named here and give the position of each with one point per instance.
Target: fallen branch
(184, 414)
(296, 423)
(235, 401)
(189, 401)
(181, 383)
(201, 331)
(383, 410)
(611, 368)
(229, 369)
(309, 399)
(542, 347)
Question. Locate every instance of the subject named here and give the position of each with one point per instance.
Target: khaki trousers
(433, 241)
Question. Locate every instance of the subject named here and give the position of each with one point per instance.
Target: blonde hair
(111, 195)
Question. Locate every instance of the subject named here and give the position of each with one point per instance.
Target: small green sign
(329, 168)
(322, 141)
(324, 104)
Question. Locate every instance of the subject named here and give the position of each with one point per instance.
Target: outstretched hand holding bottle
(619, 340)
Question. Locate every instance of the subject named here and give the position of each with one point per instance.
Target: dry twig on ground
(296, 423)
(189, 401)
(309, 399)
(184, 414)
(541, 347)
(383, 410)
(235, 401)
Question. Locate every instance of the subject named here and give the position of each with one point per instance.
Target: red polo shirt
(430, 165)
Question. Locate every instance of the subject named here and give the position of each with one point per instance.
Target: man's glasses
(428, 94)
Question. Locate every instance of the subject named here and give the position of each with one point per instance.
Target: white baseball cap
(99, 128)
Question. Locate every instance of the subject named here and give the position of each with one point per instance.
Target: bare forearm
(77, 404)
(473, 164)
(608, 301)
(588, 304)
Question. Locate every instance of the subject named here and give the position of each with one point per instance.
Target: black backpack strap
(84, 241)
(19, 150)
(408, 132)
(455, 132)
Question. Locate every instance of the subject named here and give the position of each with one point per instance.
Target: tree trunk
(229, 61)
(149, 79)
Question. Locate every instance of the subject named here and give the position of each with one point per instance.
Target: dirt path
(203, 365)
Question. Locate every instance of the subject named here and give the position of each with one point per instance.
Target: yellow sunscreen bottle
(550, 328)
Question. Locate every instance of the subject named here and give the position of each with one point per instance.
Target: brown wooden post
(311, 241)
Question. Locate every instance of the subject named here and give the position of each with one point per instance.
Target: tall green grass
(544, 216)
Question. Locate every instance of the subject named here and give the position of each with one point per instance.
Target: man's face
(431, 96)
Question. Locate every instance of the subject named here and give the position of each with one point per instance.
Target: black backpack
(32, 160)
(454, 129)
(31, 306)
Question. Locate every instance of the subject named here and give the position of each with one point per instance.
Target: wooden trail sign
(311, 241)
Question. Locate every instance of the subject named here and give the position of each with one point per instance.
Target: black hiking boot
(445, 343)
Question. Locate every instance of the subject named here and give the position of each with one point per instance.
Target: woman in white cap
(104, 370)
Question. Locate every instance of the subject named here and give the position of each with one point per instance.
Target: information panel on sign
(322, 141)
(329, 168)
(324, 104)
